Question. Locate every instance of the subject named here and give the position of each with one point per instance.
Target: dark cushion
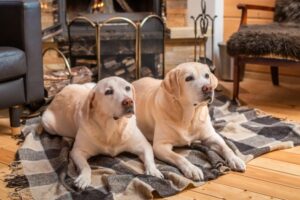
(12, 63)
(287, 11)
(281, 39)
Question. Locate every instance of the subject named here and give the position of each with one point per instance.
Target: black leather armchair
(21, 71)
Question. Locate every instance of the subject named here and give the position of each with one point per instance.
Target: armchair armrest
(20, 21)
(246, 7)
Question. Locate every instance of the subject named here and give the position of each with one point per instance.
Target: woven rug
(44, 171)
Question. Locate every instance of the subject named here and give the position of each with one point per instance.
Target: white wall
(213, 7)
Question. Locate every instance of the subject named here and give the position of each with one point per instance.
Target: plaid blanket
(44, 171)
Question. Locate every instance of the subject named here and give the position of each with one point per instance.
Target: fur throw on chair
(287, 11)
(280, 38)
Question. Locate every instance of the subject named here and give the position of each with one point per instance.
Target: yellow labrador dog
(174, 112)
(101, 119)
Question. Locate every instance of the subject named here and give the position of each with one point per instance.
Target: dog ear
(133, 93)
(171, 83)
(214, 81)
(134, 98)
(90, 102)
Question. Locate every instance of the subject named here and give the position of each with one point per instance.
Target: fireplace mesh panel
(152, 48)
(118, 50)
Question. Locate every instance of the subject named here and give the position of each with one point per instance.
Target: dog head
(191, 83)
(113, 96)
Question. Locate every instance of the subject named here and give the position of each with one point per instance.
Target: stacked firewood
(125, 68)
(55, 81)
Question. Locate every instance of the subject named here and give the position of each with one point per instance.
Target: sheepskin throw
(280, 38)
(287, 11)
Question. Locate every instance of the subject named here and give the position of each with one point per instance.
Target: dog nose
(206, 88)
(127, 102)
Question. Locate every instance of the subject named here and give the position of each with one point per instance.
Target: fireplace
(118, 45)
(74, 7)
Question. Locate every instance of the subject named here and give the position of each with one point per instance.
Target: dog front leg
(217, 143)
(80, 160)
(164, 152)
(145, 153)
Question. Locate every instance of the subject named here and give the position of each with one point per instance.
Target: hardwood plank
(11, 147)
(282, 101)
(228, 192)
(258, 186)
(178, 197)
(5, 140)
(3, 193)
(289, 71)
(276, 165)
(6, 156)
(8, 142)
(295, 150)
(284, 156)
(192, 195)
(272, 176)
(289, 114)
(4, 126)
(2, 166)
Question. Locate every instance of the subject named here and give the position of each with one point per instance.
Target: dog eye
(206, 75)
(127, 88)
(189, 78)
(109, 92)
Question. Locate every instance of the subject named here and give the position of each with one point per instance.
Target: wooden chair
(275, 44)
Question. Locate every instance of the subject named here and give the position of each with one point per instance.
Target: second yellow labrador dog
(174, 112)
(101, 119)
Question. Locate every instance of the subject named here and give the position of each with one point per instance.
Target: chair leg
(14, 115)
(236, 79)
(275, 76)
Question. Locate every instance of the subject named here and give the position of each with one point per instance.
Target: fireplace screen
(118, 49)
(152, 47)
(126, 50)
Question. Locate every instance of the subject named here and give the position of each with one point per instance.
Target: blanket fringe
(285, 119)
(17, 181)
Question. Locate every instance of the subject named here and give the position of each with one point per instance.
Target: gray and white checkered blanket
(44, 171)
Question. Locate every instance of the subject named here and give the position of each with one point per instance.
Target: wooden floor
(272, 176)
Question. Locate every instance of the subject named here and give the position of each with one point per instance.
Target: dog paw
(83, 181)
(153, 171)
(236, 164)
(193, 172)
